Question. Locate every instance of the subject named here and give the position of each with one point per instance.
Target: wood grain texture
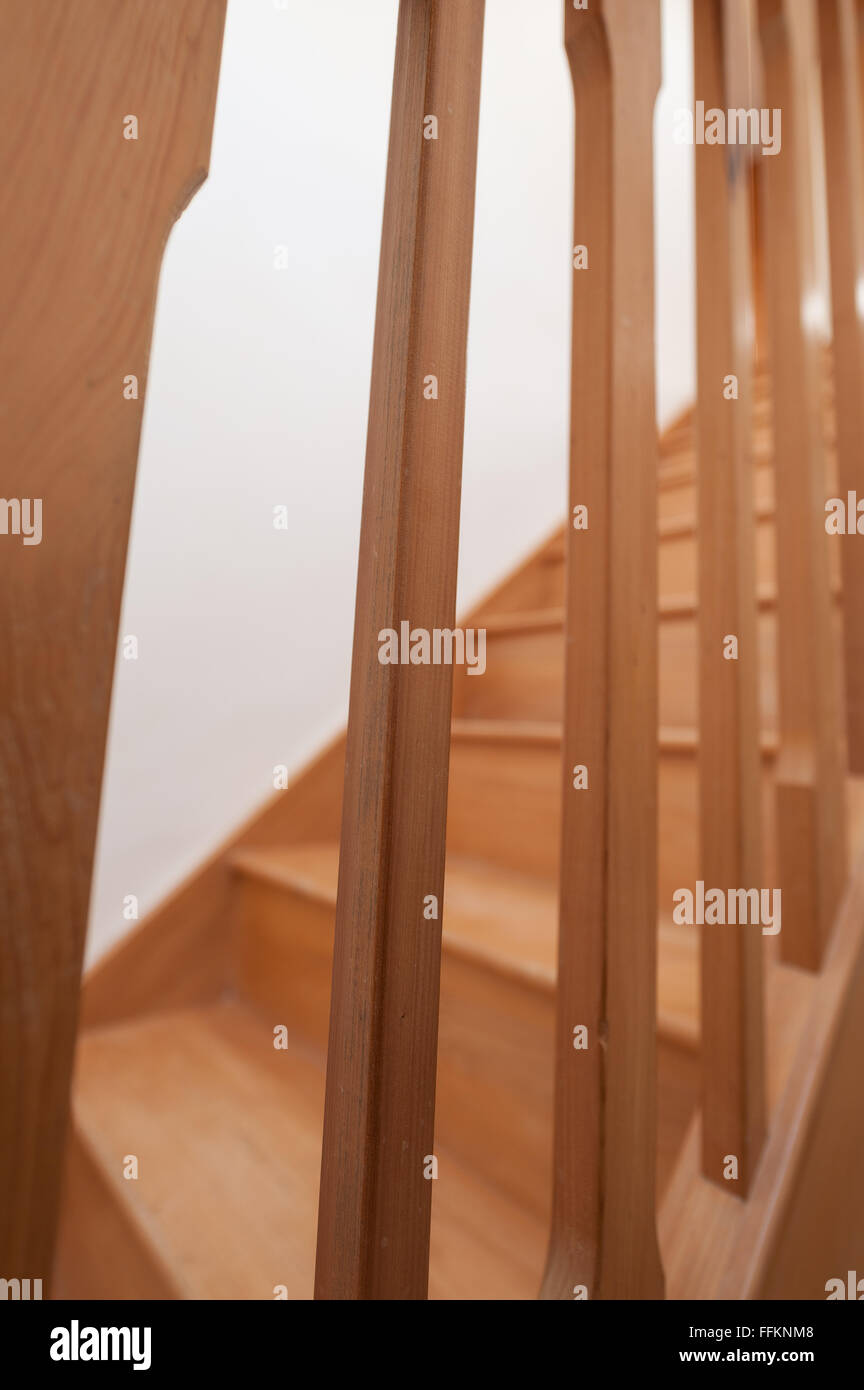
(603, 1233)
(227, 1131)
(729, 759)
(844, 170)
(525, 663)
(94, 1228)
(85, 215)
(373, 1237)
(821, 1231)
(494, 1079)
(810, 775)
(726, 1248)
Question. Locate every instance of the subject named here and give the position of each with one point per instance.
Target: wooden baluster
(733, 1105)
(603, 1235)
(373, 1229)
(85, 216)
(760, 332)
(844, 170)
(809, 775)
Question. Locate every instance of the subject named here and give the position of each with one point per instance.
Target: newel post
(108, 116)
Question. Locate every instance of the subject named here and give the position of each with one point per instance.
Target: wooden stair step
(677, 603)
(226, 1130)
(497, 1012)
(495, 917)
(504, 919)
(227, 1133)
(495, 1040)
(524, 675)
(504, 799)
(540, 582)
(547, 733)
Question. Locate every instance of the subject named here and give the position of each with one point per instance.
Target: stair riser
(504, 807)
(524, 676)
(542, 584)
(495, 1041)
(678, 561)
(282, 955)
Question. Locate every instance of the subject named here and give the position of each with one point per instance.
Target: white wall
(258, 393)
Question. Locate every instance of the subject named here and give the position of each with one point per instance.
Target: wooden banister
(844, 170)
(733, 1103)
(86, 208)
(811, 831)
(376, 1184)
(603, 1241)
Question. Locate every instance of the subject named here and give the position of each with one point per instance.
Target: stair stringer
(799, 1227)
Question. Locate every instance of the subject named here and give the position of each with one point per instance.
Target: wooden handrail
(603, 1241)
(844, 169)
(811, 830)
(733, 1101)
(376, 1171)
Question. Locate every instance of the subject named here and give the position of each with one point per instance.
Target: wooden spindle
(733, 1105)
(603, 1235)
(373, 1230)
(809, 774)
(844, 171)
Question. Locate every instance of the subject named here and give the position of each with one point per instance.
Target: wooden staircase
(227, 1128)
(254, 1111)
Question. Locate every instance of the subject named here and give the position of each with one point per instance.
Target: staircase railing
(754, 207)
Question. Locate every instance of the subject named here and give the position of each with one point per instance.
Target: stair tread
(683, 523)
(503, 730)
(668, 606)
(227, 1131)
(504, 919)
(502, 916)
(671, 738)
